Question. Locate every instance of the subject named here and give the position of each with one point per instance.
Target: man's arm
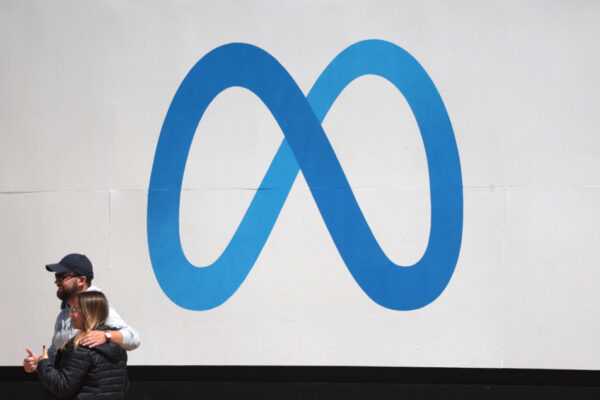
(124, 335)
(52, 349)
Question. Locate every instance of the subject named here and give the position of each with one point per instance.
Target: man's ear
(82, 282)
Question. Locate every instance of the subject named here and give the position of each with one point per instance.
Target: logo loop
(305, 147)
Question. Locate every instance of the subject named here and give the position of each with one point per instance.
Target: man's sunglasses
(64, 276)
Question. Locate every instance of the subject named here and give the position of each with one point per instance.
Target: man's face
(68, 284)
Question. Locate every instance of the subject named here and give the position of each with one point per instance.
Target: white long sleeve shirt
(64, 331)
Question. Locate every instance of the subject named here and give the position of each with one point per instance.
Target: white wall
(84, 89)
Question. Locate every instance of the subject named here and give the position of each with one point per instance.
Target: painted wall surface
(86, 86)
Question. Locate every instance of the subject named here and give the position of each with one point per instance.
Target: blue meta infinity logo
(305, 147)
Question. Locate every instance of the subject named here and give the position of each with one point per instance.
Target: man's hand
(96, 338)
(93, 339)
(30, 362)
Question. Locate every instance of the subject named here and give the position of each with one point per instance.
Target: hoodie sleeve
(68, 380)
(131, 339)
(52, 348)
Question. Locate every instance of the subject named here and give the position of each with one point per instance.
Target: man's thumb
(31, 353)
(45, 351)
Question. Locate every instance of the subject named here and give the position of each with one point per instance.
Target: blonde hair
(94, 309)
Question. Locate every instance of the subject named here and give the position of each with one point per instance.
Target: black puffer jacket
(86, 374)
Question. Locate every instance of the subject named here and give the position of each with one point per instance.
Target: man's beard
(65, 294)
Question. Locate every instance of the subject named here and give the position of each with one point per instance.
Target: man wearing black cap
(73, 275)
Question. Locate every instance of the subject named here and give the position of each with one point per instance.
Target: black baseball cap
(77, 263)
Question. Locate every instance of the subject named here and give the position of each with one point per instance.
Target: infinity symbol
(305, 147)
